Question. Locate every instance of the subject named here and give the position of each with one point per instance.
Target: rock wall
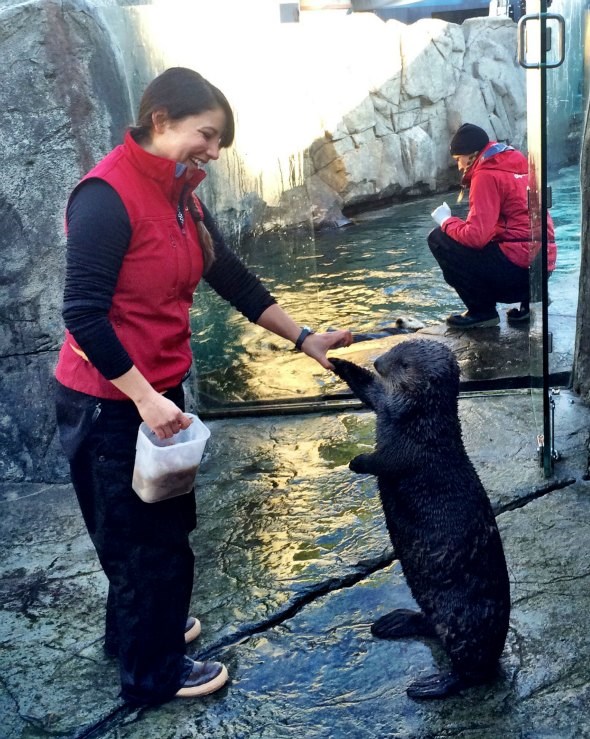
(351, 111)
(62, 99)
(394, 144)
(362, 117)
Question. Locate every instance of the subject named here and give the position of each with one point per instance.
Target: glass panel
(536, 145)
(566, 105)
(364, 277)
(238, 362)
(541, 45)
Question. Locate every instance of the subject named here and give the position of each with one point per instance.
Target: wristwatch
(305, 332)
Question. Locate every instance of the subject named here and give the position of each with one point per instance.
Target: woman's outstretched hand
(317, 345)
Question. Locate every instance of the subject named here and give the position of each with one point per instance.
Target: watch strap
(305, 332)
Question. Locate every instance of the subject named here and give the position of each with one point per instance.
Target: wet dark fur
(438, 515)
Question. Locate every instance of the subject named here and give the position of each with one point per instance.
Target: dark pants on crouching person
(143, 548)
(481, 277)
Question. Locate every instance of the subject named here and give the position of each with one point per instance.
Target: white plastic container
(167, 468)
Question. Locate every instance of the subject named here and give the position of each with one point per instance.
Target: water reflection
(362, 277)
(284, 514)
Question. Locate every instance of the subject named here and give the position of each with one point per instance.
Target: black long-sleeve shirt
(99, 232)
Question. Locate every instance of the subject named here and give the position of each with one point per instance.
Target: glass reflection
(364, 276)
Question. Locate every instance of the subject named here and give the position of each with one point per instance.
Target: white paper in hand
(441, 214)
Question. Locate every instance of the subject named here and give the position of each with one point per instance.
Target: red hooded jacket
(498, 207)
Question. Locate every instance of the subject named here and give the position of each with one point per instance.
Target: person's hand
(162, 416)
(441, 214)
(316, 345)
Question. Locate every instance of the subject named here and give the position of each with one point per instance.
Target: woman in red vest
(139, 241)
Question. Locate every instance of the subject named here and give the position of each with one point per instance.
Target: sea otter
(438, 514)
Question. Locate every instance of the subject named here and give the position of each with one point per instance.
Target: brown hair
(205, 238)
(182, 92)
(470, 162)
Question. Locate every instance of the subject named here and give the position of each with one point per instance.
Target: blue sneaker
(473, 320)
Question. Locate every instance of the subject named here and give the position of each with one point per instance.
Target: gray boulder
(63, 104)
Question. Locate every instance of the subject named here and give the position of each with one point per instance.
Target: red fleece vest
(160, 271)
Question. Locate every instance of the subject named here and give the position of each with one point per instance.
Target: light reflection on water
(361, 277)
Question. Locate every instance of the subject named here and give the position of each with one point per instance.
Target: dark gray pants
(143, 548)
(481, 277)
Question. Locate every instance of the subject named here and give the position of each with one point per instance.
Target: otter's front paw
(361, 464)
(362, 382)
(342, 367)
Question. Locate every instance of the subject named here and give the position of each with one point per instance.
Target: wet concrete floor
(293, 563)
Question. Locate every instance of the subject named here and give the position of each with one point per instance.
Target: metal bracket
(560, 40)
(555, 455)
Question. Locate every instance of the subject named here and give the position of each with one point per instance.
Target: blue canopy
(409, 11)
(428, 6)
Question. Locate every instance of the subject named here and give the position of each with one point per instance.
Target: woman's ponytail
(205, 238)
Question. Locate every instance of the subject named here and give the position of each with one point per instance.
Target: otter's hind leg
(402, 624)
(444, 684)
(438, 685)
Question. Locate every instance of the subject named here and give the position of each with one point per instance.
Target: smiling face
(193, 140)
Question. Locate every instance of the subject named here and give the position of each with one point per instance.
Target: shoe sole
(480, 324)
(206, 688)
(193, 632)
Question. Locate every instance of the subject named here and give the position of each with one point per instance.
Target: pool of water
(362, 277)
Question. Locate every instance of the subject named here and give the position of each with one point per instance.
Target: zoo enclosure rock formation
(70, 89)
(394, 143)
(63, 102)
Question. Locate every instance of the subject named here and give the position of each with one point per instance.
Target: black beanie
(468, 139)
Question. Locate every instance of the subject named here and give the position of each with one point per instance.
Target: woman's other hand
(162, 415)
